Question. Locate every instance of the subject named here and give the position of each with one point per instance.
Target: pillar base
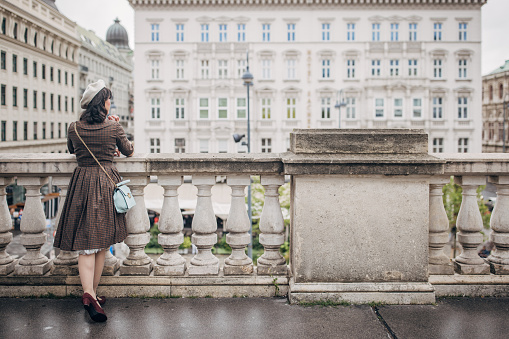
(136, 270)
(203, 270)
(499, 269)
(471, 269)
(8, 268)
(237, 270)
(169, 270)
(271, 270)
(111, 268)
(64, 270)
(446, 269)
(32, 269)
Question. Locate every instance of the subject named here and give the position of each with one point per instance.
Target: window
(351, 108)
(154, 69)
(350, 68)
(241, 68)
(155, 32)
(291, 69)
(35, 130)
(35, 69)
(462, 31)
(59, 76)
(266, 63)
(65, 104)
(59, 103)
(437, 31)
(398, 108)
(3, 26)
(14, 63)
(326, 69)
(14, 130)
(462, 68)
(2, 60)
(25, 130)
(204, 35)
(222, 69)
(2, 95)
(241, 108)
(222, 146)
(4, 130)
(412, 67)
(25, 37)
(437, 107)
(394, 32)
(59, 130)
(326, 32)
(326, 107)
(438, 145)
(25, 66)
(155, 145)
(266, 145)
(65, 77)
(25, 97)
(350, 32)
(180, 32)
(375, 67)
(43, 72)
(463, 145)
(204, 108)
(72, 79)
(412, 29)
(437, 68)
(266, 32)
(179, 108)
(241, 32)
(14, 96)
(35, 99)
(44, 100)
(394, 67)
(417, 108)
(66, 129)
(266, 108)
(44, 130)
(51, 74)
(52, 130)
(291, 107)
(375, 32)
(15, 31)
(291, 32)
(179, 69)
(222, 33)
(155, 108)
(35, 39)
(222, 108)
(204, 146)
(72, 104)
(379, 108)
(462, 108)
(204, 69)
(180, 145)
(51, 102)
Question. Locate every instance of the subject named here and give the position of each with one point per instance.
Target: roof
(501, 69)
(117, 35)
(50, 3)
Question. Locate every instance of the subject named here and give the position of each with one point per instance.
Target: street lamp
(340, 102)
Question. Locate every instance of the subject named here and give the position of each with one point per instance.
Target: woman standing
(89, 222)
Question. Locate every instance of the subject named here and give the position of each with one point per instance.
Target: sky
(98, 15)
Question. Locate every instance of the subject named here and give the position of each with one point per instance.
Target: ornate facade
(412, 65)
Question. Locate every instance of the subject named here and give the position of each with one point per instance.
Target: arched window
(491, 92)
(15, 31)
(35, 39)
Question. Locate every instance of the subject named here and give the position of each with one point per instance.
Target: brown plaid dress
(89, 219)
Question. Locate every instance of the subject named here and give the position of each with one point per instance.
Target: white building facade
(412, 65)
(38, 76)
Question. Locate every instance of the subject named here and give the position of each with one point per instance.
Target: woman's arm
(124, 146)
(70, 146)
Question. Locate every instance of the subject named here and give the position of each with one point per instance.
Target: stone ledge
(393, 298)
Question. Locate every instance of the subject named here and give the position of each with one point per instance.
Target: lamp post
(340, 102)
(248, 81)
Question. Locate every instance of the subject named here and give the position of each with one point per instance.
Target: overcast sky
(98, 15)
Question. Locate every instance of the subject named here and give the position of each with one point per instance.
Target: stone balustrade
(367, 223)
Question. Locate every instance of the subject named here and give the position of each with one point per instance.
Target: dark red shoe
(93, 308)
(101, 300)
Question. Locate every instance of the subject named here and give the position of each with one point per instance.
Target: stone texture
(32, 269)
(498, 268)
(203, 270)
(136, 270)
(365, 297)
(471, 269)
(272, 270)
(237, 270)
(169, 270)
(64, 270)
(441, 269)
(8, 268)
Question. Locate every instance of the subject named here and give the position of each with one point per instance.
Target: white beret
(91, 92)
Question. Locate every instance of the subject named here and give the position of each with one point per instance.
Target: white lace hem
(88, 252)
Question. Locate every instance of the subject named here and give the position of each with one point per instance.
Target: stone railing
(367, 223)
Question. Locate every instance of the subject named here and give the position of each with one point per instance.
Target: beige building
(38, 76)
(495, 109)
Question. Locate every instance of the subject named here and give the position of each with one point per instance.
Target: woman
(89, 222)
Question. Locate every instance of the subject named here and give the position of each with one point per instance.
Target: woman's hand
(116, 153)
(114, 117)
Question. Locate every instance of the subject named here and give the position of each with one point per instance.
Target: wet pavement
(253, 318)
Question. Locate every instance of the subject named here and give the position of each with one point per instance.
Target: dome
(51, 3)
(117, 35)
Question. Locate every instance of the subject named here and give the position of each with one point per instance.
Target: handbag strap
(75, 130)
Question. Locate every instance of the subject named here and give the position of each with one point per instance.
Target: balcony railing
(367, 223)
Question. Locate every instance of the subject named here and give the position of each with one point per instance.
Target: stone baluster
(499, 258)
(7, 262)
(272, 228)
(204, 229)
(66, 263)
(170, 226)
(238, 225)
(469, 223)
(439, 262)
(111, 264)
(138, 225)
(33, 224)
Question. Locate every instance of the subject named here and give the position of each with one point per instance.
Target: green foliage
(153, 246)
(186, 243)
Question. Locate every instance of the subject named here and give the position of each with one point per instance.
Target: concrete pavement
(252, 318)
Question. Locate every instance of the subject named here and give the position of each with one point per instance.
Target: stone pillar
(170, 226)
(7, 262)
(138, 225)
(238, 225)
(272, 228)
(469, 224)
(66, 263)
(499, 258)
(33, 224)
(439, 262)
(111, 264)
(204, 229)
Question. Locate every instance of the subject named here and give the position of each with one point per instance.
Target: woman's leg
(86, 266)
(98, 270)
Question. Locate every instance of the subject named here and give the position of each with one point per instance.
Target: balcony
(367, 223)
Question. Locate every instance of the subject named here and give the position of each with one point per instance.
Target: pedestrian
(89, 222)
